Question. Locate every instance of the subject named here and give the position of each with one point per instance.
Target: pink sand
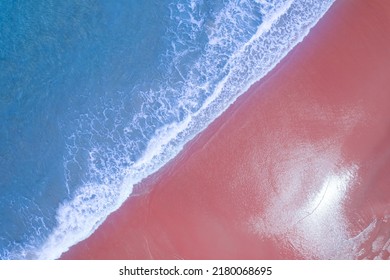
(298, 167)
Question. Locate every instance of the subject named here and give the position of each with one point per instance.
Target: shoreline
(244, 188)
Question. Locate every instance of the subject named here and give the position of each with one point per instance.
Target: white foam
(202, 94)
(162, 138)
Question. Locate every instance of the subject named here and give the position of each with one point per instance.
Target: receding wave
(209, 62)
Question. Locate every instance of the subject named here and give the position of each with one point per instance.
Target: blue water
(97, 95)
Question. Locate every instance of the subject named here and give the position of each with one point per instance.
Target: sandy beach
(297, 168)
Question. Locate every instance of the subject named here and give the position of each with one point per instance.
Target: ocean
(97, 95)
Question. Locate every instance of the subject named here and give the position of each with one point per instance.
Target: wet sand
(297, 168)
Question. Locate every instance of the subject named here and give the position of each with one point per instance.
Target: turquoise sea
(97, 95)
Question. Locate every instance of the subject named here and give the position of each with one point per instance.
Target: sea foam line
(78, 218)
